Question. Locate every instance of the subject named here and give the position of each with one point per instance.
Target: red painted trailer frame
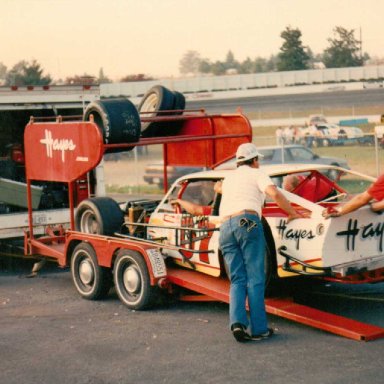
(69, 150)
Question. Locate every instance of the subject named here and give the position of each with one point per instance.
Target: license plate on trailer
(158, 266)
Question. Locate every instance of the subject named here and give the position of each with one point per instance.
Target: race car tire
(179, 104)
(117, 119)
(99, 215)
(132, 282)
(270, 262)
(157, 99)
(91, 281)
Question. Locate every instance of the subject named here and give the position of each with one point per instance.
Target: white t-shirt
(244, 188)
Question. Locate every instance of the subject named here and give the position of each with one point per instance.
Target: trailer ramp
(214, 288)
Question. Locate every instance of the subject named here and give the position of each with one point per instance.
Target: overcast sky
(73, 37)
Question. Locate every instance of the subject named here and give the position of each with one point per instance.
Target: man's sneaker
(239, 333)
(262, 336)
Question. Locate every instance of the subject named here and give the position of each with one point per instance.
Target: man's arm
(377, 206)
(192, 208)
(355, 203)
(283, 203)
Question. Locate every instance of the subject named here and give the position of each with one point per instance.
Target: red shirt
(376, 190)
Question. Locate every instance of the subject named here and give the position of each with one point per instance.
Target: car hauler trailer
(136, 265)
(49, 200)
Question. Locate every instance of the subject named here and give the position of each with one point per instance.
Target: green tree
(218, 68)
(24, 73)
(343, 50)
(190, 63)
(292, 55)
(205, 66)
(231, 62)
(103, 79)
(3, 72)
(247, 66)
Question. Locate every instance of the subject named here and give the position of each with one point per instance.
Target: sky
(124, 37)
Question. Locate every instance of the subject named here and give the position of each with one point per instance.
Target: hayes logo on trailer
(61, 145)
(61, 151)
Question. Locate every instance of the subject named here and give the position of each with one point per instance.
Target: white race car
(346, 249)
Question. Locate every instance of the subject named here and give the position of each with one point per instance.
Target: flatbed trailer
(136, 266)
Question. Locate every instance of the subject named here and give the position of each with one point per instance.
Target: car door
(183, 230)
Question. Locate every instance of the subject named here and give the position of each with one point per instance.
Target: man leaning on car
(374, 196)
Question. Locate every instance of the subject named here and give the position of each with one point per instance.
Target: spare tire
(99, 215)
(117, 119)
(158, 98)
(179, 103)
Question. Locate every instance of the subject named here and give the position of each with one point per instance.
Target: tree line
(26, 73)
(344, 50)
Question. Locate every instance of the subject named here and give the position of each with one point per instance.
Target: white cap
(247, 151)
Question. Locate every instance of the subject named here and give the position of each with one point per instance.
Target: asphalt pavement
(48, 334)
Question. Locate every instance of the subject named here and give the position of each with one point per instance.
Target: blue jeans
(244, 253)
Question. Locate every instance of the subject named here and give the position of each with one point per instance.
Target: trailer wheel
(117, 119)
(157, 99)
(99, 215)
(91, 281)
(131, 278)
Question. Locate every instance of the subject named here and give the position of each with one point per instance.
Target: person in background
(374, 196)
(279, 136)
(242, 241)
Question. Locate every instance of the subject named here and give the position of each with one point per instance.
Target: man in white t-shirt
(242, 241)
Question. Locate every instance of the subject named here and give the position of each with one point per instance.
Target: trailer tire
(157, 99)
(91, 281)
(117, 119)
(132, 282)
(99, 215)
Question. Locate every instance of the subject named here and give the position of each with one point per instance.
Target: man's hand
(331, 212)
(298, 215)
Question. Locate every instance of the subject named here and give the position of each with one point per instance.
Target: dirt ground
(48, 334)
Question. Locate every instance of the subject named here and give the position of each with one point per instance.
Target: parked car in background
(154, 173)
(289, 154)
(324, 135)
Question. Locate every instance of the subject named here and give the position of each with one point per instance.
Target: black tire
(179, 104)
(99, 215)
(91, 281)
(117, 119)
(157, 99)
(270, 262)
(132, 282)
